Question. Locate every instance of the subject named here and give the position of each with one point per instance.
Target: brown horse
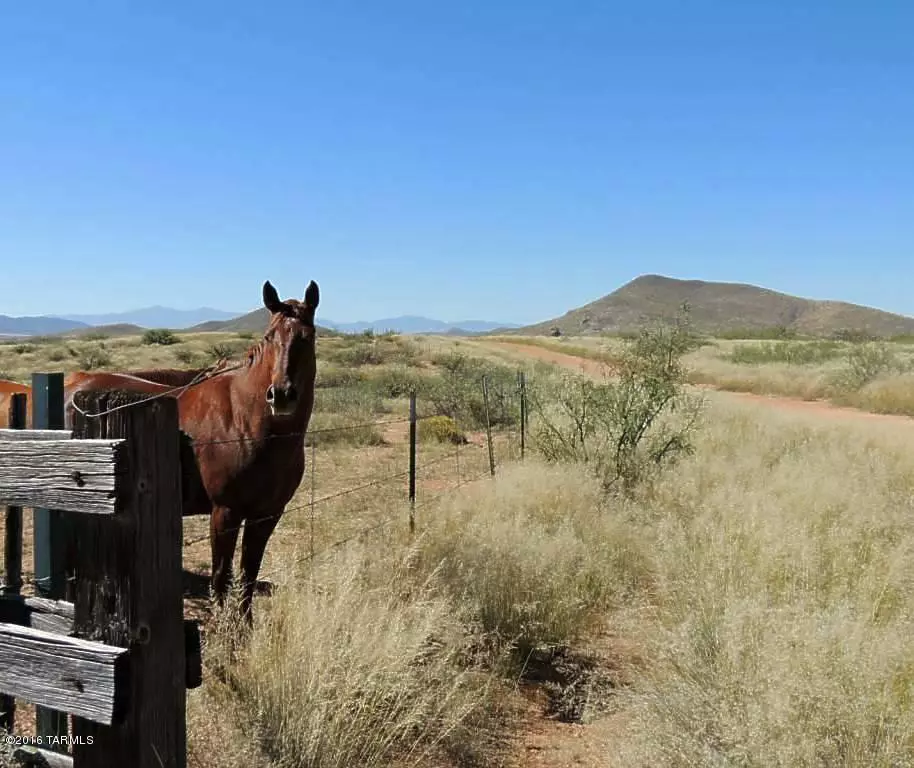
(174, 376)
(247, 425)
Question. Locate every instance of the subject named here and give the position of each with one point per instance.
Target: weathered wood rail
(117, 657)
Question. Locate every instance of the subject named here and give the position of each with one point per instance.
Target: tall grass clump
(354, 665)
(535, 556)
(781, 628)
(629, 427)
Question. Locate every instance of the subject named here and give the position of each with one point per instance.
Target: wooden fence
(104, 639)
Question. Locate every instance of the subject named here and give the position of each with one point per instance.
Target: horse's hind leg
(223, 533)
(256, 534)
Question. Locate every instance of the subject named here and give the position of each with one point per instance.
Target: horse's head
(290, 340)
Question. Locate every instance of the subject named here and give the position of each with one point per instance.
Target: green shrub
(396, 382)
(789, 352)
(440, 429)
(94, 357)
(458, 391)
(94, 336)
(332, 376)
(866, 363)
(186, 356)
(777, 332)
(224, 351)
(629, 428)
(161, 336)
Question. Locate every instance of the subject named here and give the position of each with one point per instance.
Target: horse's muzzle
(282, 400)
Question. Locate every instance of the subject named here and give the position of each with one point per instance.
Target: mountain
(113, 329)
(37, 326)
(257, 321)
(407, 324)
(719, 307)
(155, 317)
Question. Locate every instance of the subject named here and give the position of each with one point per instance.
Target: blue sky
(497, 160)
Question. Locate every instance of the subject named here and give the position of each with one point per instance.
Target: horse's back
(7, 390)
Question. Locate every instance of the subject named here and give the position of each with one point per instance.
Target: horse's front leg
(224, 525)
(256, 534)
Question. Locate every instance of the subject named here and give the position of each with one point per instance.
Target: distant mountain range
(257, 321)
(155, 317)
(209, 319)
(417, 324)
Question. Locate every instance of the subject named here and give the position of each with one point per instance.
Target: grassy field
(751, 605)
(873, 376)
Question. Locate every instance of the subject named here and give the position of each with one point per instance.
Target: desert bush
(94, 336)
(628, 428)
(458, 391)
(224, 350)
(866, 363)
(440, 429)
(24, 349)
(161, 336)
(854, 336)
(94, 357)
(186, 356)
(332, 376)
(777, 332)
(57, 354)
(396, 382)
(789, 352)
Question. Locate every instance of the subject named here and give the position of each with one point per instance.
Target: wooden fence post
(522, 387)
(485, 398)
(12, 548)
(412, 462)
(50, 530)
(129, 587)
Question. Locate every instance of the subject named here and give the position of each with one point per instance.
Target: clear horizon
(495, 161)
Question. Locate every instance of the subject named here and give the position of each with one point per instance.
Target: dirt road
(596, 369)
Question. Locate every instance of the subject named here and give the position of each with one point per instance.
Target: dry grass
(763, 583)
(780, 630)
(357, 663)
(535, 556)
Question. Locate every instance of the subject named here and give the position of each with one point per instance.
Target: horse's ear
(312, 295)
(271, 298)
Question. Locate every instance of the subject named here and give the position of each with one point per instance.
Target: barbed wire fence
(418, 496)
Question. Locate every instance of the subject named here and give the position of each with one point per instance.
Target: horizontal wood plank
(54, 616)
(36, 757)
(35, 434)
(71, 475)
(85, 678)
